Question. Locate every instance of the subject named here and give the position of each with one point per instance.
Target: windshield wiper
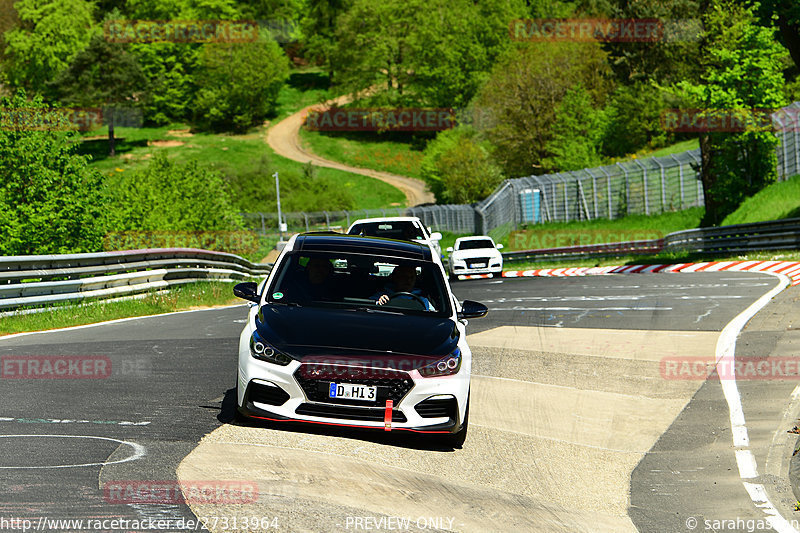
(373, 310)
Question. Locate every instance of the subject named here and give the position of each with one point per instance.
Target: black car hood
(303, 332)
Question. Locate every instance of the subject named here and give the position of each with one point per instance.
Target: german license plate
(478, 265)
(350, 391)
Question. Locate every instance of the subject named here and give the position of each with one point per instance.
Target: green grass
(398, 153)
(201, 294)
(232, 155)
(238, 155)
(633, 227)
(779, 200)
(683, 146)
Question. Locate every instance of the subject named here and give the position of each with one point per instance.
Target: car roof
(475, 238)
(385, 219)
(339, 242)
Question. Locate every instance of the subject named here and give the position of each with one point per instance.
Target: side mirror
(470, 309)
(436, 236)
(499, 246)
(247, 291)
(449, 248)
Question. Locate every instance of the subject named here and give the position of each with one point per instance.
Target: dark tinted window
(349, 280)
(475, 244)
(400, 230)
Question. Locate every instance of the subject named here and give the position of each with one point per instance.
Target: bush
(170, 196)
(50, 200)
(458, 168)
(238, 84)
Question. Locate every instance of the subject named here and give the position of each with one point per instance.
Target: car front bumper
(294, 405)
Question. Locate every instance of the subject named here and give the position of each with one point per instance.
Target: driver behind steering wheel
(402, 280)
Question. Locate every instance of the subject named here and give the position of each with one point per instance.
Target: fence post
(644, 181)
(263, 226)
(663, 192)
(608, 191)
(594, 191)
(305, 216)
(680, 176)
(627, 189)
(327, 221)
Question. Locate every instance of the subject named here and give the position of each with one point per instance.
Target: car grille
(475, 260)
(437, 408)
(267, 394)
(348, 413)
(392, 384)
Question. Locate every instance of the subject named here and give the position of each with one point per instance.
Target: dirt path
(283, 137)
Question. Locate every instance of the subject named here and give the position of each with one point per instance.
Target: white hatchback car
(475, 255)
(400, 228)
(333, 338)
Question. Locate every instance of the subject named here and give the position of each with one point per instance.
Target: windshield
(404, 230)
(475, 244)
(356, 281)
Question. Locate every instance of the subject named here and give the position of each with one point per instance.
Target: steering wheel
(414, 296)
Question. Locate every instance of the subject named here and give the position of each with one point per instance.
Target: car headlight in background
(446, 366)
(263, 351)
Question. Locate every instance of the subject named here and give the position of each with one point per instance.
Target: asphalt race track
(576, 422)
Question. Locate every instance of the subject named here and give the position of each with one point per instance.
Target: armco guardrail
(772, 235)
(613, 249)
(34, 280)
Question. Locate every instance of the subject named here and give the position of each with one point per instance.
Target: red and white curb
(790, 269)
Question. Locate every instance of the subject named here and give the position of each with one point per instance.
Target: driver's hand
(383, 299)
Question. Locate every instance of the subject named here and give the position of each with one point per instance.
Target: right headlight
(263, 351)
(446, 366)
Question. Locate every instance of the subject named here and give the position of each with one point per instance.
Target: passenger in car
(402, 280)
(317, 283)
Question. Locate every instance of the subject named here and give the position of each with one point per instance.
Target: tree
(238, 84)
(742, 74)
(50, 200)
(49, 35)
(458, 167)
(577, 133)
(523, 92)
(634, 119)
(319, 30)
(787, 15)
(102, 74)
(673, 57)
(420, 52)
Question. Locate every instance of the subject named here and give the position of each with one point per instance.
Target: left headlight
(446, 366)
(259, 349)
